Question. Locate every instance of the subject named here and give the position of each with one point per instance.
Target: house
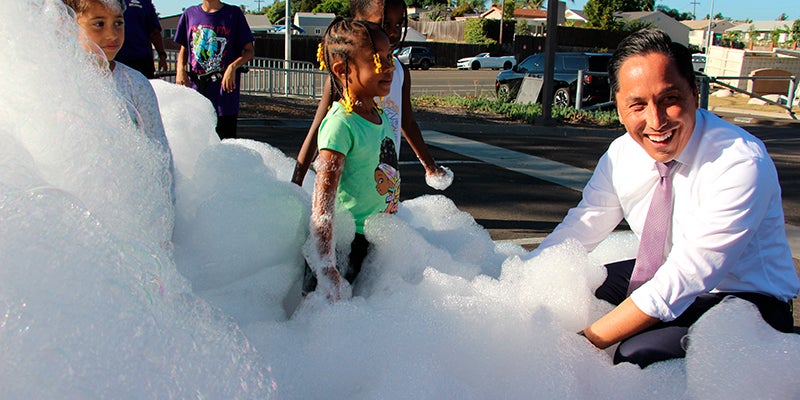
(761, 31)
(413, 35)
(169, 25)
(258, 22)
(677, 31)
(494, 12)
(575, 17)
(533, 17)
(314, 23)
(698, 31)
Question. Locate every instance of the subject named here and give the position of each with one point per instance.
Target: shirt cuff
(648, 301)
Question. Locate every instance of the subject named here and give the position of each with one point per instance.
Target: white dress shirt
(728, 230)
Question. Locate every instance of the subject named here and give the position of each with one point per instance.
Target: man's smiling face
(656, 104)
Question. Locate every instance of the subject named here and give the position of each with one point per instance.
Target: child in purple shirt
(215, 41)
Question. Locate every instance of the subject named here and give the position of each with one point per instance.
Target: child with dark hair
(391, 15)
(215, 42)
(355, 140)
(103, 24)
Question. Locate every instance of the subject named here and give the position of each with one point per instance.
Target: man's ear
(339, 69)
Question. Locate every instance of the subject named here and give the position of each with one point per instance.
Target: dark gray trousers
(663, 341)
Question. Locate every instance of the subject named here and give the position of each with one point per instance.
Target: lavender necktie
(654, 233)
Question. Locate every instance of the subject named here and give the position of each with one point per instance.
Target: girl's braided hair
(341, 42)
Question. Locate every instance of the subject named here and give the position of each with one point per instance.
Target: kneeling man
(701, 194)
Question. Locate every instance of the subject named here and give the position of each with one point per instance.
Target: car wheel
(425, 64)
(562, 98)
(507, 65)
(476, 65)
(505, 93)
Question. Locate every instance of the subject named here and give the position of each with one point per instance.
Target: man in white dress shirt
(727, 234)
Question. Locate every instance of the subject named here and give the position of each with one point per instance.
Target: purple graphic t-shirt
(214, 41)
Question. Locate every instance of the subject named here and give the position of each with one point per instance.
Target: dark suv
(416, 57)
(595, 87)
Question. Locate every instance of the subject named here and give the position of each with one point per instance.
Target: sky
(736, 9)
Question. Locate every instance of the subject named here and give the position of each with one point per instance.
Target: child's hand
(182, 78)
(440, 178)
(229, 79)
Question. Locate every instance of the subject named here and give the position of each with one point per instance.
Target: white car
(487, 60)
(699, 62)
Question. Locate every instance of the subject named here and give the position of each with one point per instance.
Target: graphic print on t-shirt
(208, 48)
(387, 176)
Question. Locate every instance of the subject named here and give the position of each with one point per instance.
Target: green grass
(521, 112)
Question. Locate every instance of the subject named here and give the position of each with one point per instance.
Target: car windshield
(405, 50)
(599, 63)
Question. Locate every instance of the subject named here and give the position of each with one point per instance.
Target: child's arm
(309, 149)
(181, 77)
(322, 257)
(229, 79)
(412, 132)
(158, 44)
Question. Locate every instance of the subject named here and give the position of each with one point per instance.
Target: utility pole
(258, 5)
(694, 8)
(287, 23)
(550, 43)
(710, 34)
(502, 16)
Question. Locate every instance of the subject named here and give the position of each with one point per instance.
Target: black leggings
(358, 251)
(226, 126)
(663, 340)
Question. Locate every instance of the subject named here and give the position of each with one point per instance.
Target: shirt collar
(689, 152)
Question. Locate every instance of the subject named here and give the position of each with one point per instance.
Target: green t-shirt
(370, 181)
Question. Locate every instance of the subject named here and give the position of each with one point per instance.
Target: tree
(508, 11)
(426, 4)
(464, 7)
(522, 28)
(475, 32)
(675, 14)
(794, 32)
(600, 13)
(775, 35)
(438, 12)
(338, 7)
(304, 5)
(530, 4)
(276, 11)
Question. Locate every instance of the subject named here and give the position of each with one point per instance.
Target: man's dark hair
(647, 41)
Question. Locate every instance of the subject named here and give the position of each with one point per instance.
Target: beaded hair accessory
(321, 57)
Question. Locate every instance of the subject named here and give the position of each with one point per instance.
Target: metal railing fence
(270, 76)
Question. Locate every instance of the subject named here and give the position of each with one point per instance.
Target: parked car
(416, 57)
(595, 86)
(487, 60)
(699, 61)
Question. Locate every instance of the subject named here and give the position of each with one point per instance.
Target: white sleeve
(597, 214)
